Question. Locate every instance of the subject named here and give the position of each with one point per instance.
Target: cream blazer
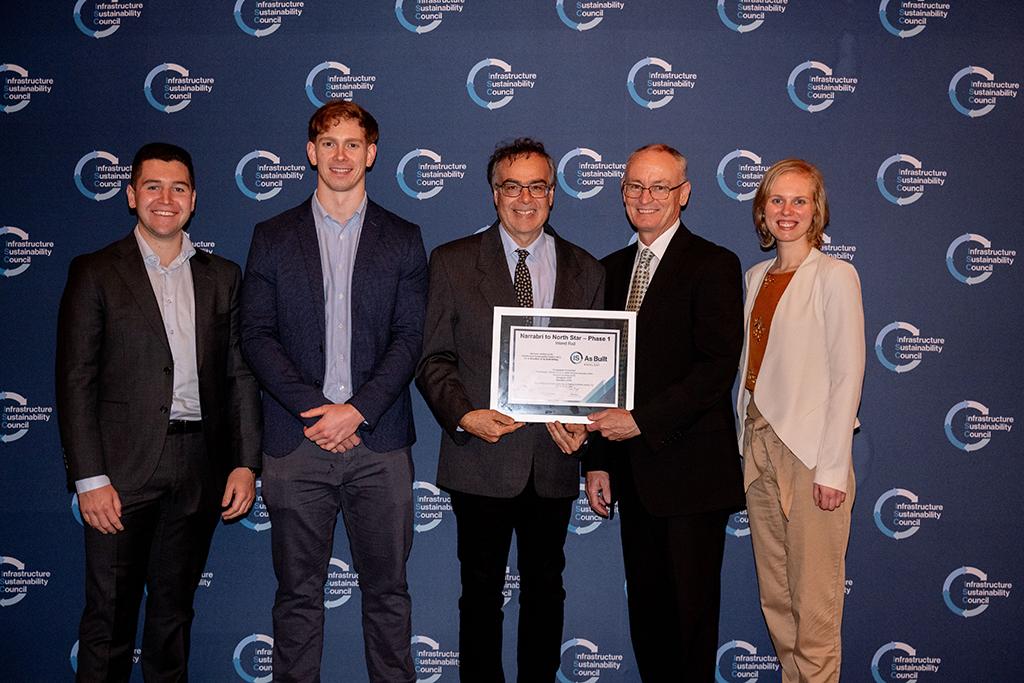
(810, 382)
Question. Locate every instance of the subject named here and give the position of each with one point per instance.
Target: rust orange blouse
(767, 301)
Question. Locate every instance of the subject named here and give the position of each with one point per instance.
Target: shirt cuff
(91, 483)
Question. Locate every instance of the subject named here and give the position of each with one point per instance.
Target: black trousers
(484, 534)
(673, 581)
(168, 526)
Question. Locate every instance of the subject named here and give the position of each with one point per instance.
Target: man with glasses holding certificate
(504, 476)
(671, 461)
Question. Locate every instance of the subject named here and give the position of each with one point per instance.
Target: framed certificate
(559, 364)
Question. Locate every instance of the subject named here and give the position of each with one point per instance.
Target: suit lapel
(673, 262)
(133, 271)
(203, 295)
(619, 271)
(568, 293)
(309, 247)
(367, 253)
(495, 283)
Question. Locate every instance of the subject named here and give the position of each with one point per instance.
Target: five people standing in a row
(339, 310)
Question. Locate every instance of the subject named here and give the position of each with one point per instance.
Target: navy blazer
(283, 325)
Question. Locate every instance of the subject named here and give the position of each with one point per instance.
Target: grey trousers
(304, 491)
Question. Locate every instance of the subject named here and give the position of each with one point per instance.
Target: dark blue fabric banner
(909, 107)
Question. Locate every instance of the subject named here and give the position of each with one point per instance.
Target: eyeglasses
(512, 189)
(636, 190)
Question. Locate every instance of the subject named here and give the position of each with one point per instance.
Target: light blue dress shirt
(338, 245)
(542, 263)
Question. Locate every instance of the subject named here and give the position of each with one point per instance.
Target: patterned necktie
(641, 278)
(521, 283)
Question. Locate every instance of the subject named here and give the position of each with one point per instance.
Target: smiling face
(163, 199)
(341, 155)
(789, 207)
(651, 217)
(523, 216)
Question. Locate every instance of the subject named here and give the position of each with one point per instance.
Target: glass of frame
(559, 364)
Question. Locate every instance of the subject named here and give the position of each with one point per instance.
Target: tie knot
(522, 253)
(646, 254)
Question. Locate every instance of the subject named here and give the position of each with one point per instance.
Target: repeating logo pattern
(18, 87)
(335, 81)
(585, 14)
(742, 663)
(899, 513)
(971, 259)
(907, 18)
(430, 175)
(423, 16)
(968, 592)
(813, 87)
(584, 662)
(254, 658)
(897, 661)
(19, 250)
(500, 85)
(980, 95)
(589, 177)
(970, 427)
(171, 93)
(270, 175)
(99, 19)
(659, 83)
(740, 181)
(744, 16)
(264, 18)
(905, 351)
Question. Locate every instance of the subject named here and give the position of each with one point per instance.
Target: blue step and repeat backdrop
(909, 107)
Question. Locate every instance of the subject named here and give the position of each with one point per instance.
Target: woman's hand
(827, 498)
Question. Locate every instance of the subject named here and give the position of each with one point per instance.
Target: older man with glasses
(671, 462)
(504, 476)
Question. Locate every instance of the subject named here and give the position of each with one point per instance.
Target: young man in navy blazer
(332, 326)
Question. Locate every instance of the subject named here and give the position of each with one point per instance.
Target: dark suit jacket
(689, 335)
(468, 278)
(114, 368)
(283, 325)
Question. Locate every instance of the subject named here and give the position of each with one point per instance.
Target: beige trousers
(799, 553)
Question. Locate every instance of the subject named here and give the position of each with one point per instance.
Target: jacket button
(318, 384)
(163, 409)
(167, 371)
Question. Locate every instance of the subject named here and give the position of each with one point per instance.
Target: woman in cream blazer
(797, 408)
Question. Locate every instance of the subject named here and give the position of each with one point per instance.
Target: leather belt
(184, 426)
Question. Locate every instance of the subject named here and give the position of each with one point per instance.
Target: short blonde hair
(821, 216)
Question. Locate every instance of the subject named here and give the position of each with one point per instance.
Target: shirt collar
(510, 245)
(660, 245)
(150, 258)
(323, 218)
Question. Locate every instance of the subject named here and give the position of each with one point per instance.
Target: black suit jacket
(114, 368)
(689, 335)
(468, 278)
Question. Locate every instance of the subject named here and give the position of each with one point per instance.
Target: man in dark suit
(672, 461)
(332, 325)
(159, 419)
(504, 476)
